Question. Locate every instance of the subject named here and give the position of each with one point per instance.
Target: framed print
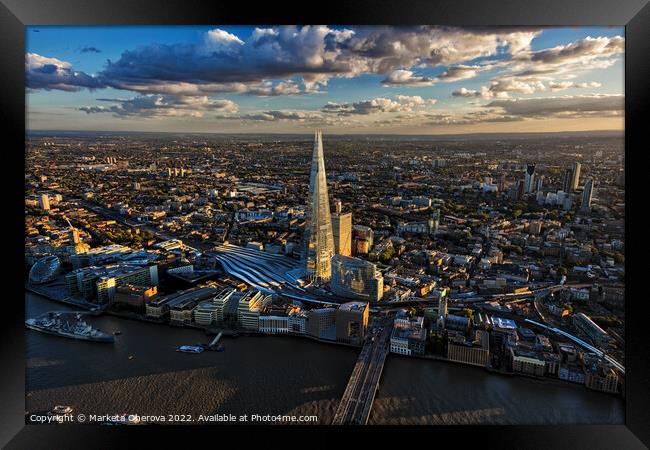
(369, 218)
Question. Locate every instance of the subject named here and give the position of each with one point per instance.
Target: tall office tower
(44, 202)
(520, 189)
(530, 178)
(362, 239)
(74, 237)
(568, 202)
(567, 186)
(576, 176)
(539, 183)
(434, 221)
(342, 230)
(318, 239)
(587, 193)
(502, 183)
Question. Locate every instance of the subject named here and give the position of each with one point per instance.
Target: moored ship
(53, 323)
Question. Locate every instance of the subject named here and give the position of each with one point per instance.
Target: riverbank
(210, 331)
(278, 374)
(56, 295)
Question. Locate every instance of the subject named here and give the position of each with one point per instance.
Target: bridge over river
(355, 406)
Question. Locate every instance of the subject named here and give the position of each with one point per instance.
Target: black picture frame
(16, 14)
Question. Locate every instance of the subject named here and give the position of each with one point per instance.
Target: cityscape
(324, 274)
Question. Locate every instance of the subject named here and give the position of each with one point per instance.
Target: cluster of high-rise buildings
(532, 184)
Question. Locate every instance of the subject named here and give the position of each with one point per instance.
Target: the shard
(319, 242)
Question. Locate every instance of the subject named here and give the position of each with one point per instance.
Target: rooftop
(353, 306)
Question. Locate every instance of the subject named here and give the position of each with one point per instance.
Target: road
(359, 395)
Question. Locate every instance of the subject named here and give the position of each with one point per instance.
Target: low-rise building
(408, 336)
(321, 323)
(297, 321)
(571, 372)
(273, 324)
(475, 352)
(133, 296)
(528, 364)
(249, 307)
(351, 322)
(600, 375)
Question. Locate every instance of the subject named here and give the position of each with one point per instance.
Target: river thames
(141, 373)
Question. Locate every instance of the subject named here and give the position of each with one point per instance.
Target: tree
(387, 255)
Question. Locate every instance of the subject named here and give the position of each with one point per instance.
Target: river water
(279, 375)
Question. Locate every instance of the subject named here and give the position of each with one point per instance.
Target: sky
(340, 79)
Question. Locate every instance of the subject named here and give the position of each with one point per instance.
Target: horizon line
(307, 133)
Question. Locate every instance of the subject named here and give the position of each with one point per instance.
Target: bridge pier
(215, 341)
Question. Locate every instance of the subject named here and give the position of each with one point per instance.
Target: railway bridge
(359, 395)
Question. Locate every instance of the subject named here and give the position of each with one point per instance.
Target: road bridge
(359, 395)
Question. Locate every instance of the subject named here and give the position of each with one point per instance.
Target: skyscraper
(73, 235)
(342, 231)
(319, 241)
(434, 221)
(587, 193)
(530, 178)
(567, 186)
(576, 176)
(44, 202)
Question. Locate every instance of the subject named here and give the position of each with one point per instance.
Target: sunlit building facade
(319, 241)
(356, 278)
(342, 231)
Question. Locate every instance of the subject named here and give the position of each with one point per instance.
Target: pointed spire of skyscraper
(319, 242)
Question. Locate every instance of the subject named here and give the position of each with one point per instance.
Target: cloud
(402, 103)
(401, 77)
(222, 62)
(346, 113)
(51, 73)
(470, 118)
(501, 88)
(461, 72)
(562, 85)
(565, 60)
(90, 50)
(485, 92)
(414, 100)
(579, 51)
(552, 69)
(268, 89)
(567, 106)
(275, 115)
(156, 105)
